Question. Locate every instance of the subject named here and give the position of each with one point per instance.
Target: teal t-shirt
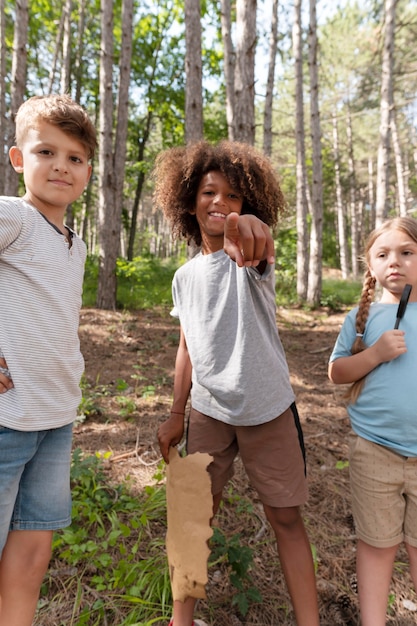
(386, 410)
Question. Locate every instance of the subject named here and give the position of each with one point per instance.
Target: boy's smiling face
(215, 200)
(55, 168)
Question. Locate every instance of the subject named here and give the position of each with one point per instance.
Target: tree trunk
(340, 211)
(354, 222)
(139, 187)
(18, 82)
(316, 236)
(301, 199)
(78, 71)
(109, 224)
(371, 193)
(193, 72)
(57, 49)
(244, 112)
(273, 46)
(66, 49)
(382, 184)
(229, 64)
(401, 173)
(123, 107)
(3, 122)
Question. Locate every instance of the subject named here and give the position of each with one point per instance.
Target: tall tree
(18, 81)
(273, 46)
(244, 98)
(108, 224)
(112, 172)
(66, 48)
(316, 233)
(301, 195)
(399, 165)
(3, 119)
(340, 212)
(382, 184)
(229, 64)
(193, 72)
(354, 216)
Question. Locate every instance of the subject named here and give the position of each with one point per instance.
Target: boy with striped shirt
(41, 276)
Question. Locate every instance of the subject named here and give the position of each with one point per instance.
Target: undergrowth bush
(142, 283)
(110, 566)
(146, 281)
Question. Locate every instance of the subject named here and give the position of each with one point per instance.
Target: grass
(110, 567)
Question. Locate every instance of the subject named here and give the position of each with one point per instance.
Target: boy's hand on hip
(6, 382)
(248, 240)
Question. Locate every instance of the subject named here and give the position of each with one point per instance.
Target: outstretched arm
(349, 369)
(248, 240)
(171, 431)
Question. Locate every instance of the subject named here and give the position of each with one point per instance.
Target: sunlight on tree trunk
(340, 210)
(382, 185)
(273, 45)
(193, 72)
(244, 98)
(108, 229)
(301, 178)
(316, 242)
(229, 64)
(18, 82)
(401, 179)
(3, 121)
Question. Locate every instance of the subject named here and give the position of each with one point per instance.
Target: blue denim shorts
(34, 480)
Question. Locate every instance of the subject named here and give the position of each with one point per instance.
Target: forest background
(328, 91)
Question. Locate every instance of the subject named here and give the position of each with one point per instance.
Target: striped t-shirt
(40, 299)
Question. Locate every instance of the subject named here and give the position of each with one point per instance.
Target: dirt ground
(129, 371)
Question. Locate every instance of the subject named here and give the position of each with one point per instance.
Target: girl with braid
(379, 362)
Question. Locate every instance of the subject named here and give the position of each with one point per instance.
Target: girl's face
(393, 262)
(215, 199)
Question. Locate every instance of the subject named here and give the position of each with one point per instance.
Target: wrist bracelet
(176, 413)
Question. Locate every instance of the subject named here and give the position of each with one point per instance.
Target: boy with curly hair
(226, 198)
(41, 277)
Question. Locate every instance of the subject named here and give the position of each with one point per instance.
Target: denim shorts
(34, 480)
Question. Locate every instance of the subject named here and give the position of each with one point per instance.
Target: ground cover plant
(109, 567)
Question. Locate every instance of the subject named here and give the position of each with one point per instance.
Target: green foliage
(112, 559)
(142, 283)
(239, 558)
(341, 465)
(110, 551)
(337, 294)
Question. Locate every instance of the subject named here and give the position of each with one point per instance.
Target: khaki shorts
(384, 494)
(272, 454)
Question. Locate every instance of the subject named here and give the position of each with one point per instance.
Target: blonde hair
(60, 111)
(407, 225)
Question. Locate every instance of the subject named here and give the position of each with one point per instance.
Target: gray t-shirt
(228, 316)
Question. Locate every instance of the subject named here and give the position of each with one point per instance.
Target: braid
(367, 297)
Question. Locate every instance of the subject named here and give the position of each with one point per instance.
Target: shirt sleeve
(10, 224)
(347, 335)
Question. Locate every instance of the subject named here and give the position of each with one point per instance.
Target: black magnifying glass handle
(403, 304)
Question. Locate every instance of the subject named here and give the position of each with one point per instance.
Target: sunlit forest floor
(131, 355)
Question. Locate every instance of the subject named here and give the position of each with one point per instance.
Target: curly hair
(178, 172)
(407, 225)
